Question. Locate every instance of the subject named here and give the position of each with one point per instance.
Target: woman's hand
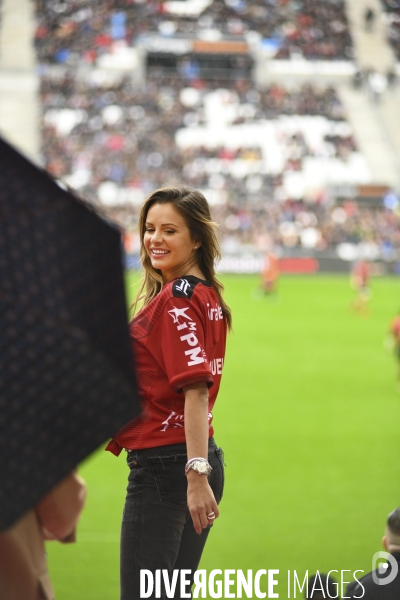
(201, 501)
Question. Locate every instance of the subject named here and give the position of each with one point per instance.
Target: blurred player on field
(394, 333)
(270, 274)
(360, 275)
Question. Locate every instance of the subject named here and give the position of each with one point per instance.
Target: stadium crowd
(115, 140)
(73, 32)
(313, 226)
(392, 16)
(120, 138)
(123, 132)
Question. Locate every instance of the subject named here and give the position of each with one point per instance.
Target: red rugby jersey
(179, 339)
(395, 328)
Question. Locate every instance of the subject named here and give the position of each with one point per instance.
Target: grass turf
(308, 417)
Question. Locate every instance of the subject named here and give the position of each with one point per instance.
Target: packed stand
(392, 16)
(316, 29)
(126, 134)
(315, 226)
(80, 32)
(254, 152)
(117, 141)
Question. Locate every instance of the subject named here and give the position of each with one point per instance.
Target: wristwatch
(201, 466)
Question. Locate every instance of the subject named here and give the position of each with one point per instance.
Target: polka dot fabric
(67, 381)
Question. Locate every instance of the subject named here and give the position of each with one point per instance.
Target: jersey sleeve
(182, 340)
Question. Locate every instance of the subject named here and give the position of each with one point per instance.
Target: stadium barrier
(291, 265)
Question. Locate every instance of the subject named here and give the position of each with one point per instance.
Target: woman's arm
(201, 501)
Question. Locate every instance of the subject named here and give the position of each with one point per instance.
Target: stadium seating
(72, 32)
(265, 157)
(392, 17)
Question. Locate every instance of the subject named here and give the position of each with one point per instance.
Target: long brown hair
(193, 207)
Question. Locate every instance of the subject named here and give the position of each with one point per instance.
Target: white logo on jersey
(215, 314)
(183, 287)
(216, 366)
(190, 338)
(177, 421)
(179, 312)
(195, 359)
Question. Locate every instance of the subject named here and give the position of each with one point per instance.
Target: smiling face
(168, 243)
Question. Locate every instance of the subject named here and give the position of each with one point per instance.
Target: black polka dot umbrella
(66, 369)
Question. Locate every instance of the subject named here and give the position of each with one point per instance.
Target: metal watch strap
(200, 465)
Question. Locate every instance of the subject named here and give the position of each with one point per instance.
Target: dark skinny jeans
(157, 529)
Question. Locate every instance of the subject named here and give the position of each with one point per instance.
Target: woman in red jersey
(176, 470)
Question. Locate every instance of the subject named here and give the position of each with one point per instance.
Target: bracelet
(197, 459)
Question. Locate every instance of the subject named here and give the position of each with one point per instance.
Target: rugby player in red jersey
(360, 276)
(395, 333)
(270, 274)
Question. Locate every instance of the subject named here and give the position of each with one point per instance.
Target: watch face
(201, 467)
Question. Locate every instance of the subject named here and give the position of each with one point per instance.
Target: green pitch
(308, 416)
